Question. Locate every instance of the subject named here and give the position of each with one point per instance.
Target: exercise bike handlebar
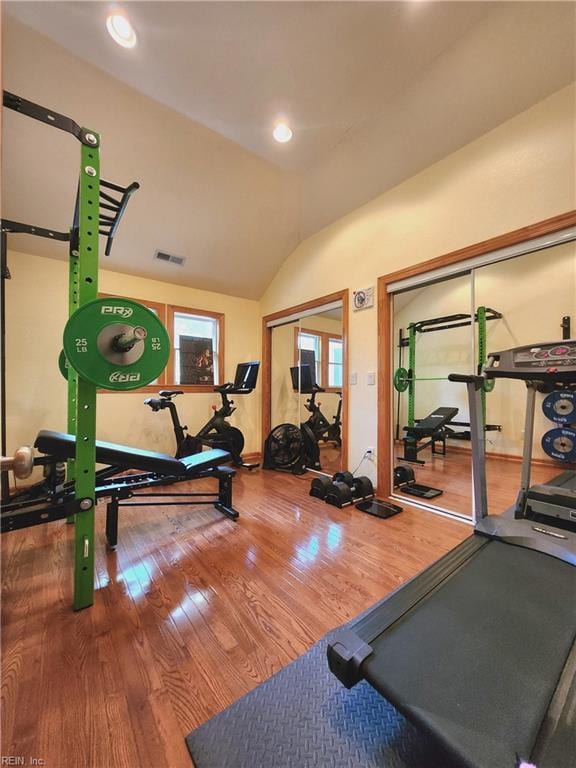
(154, 402)
(230, 389)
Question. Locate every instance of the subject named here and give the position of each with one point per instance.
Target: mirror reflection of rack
(506, 273)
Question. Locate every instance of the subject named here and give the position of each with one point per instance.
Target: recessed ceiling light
(120, 29)
(282, 133)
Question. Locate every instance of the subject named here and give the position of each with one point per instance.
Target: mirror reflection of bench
(438, 427)
(434, 427)
(112, 482)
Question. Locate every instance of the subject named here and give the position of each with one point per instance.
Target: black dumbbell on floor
(343, 489)
(403, 476)
(319, 486)
(347, 489)
(322, 484)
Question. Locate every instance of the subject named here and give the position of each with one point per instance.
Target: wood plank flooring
(192, 611)
(453, 475)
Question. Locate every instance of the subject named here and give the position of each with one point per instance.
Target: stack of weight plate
(560, 442)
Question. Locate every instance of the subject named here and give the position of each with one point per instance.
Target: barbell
(115, 344)
(402, 379)
(22, 463)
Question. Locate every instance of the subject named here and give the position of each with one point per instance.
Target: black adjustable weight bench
(63, 447)
(435, 427)
(156, 469)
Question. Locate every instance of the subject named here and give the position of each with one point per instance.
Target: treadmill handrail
(477, 442)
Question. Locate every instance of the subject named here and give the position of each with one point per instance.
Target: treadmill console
(549, 362)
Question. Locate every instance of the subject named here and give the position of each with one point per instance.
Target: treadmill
(554, 499)
(478, 651)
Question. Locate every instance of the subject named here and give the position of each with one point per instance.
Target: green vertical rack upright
(83, 238)
(83, 400)
(412, 370)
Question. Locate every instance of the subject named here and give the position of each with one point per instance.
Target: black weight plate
(560, 444)
(339, 494)
(319, 487)
(560, 406)
(363, 487)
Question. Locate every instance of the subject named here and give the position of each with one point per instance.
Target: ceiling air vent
(169, 257)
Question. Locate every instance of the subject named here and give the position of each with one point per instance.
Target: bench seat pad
(63, 446)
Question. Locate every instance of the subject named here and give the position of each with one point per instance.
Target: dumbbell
(403, 476)
(22, 463)
(319, 487)
(346, 489)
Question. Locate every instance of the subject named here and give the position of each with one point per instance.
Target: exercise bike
(304, 383)
(217, 432)
(319, 424)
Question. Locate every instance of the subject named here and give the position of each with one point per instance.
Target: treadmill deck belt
(475, 669)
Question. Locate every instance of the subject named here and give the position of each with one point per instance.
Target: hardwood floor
(192, 611)
(453, 475)
(330, 458)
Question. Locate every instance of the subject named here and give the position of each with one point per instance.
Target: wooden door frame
(385, 324)
(266, 363)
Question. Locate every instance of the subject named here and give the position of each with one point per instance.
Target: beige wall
(284, 406)
(533, 292)
(517, 174)
(36, 309)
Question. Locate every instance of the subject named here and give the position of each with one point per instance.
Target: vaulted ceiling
(374, 92)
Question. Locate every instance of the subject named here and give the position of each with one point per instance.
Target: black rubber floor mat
(302, 717)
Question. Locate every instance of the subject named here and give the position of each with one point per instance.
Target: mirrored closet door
(307, 363)
(432, 334)
(536, 294)
(449, 323)
(318, 351)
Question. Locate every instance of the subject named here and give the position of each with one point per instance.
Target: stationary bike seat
(170, 392)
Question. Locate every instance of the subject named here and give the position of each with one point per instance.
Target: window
(311, 342)
(195, 344)
(197, 347)
(328, 355)
(335, 362)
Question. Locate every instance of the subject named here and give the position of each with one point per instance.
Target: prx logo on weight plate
(123, 377)
(110, 309)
